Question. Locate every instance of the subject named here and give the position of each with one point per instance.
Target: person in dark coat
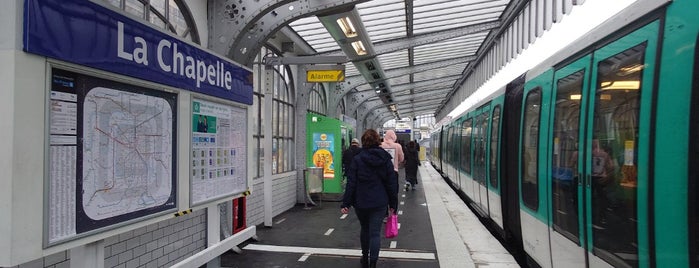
(372, 185)
(349, 154)
(411, 163)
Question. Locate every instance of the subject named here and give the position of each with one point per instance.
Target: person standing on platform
(411, 163)
(393, 148)
(348, 154)
(372, 185)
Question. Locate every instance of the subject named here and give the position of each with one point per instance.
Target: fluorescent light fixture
(575, 96)
(347, 27)
(378, 91)
(359, 48)
(632, 84)
(605, 96)
(392, 107)
(624, 71)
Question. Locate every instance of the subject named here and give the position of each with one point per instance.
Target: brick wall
(168, 242)
(158, 245)
(284, 192)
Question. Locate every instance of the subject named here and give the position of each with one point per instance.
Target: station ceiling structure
(405, 58)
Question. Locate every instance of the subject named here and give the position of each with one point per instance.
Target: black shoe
(364, 261)
(372, 264)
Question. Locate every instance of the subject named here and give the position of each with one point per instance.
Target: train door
(617, 150)
(449, 154)
(494, 138)
(480, 162)
(465, 159)
(565, 163)
(532, 169)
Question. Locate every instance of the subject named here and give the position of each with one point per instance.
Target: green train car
(591, 159)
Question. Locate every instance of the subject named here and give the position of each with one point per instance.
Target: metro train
(591, 158)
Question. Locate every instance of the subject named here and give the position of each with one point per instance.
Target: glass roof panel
(385, 20)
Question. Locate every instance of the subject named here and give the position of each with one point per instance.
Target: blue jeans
(371, 220)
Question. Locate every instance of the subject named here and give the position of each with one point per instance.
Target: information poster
(323, 152)
(111, 153)
(219, 151)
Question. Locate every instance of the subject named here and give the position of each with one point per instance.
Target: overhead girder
(300, 46)
(380, 119)
(239, 29)
(423, 107)
(523, 21)
(367, 106)
(360, 97)
(376, 121)
(358, 80)
(374, 106)
(397, 44)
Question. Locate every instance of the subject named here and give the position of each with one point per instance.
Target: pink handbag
(392, 226)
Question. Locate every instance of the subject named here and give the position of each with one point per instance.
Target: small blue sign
(86, 33)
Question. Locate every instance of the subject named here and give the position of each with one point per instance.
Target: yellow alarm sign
(325, 75)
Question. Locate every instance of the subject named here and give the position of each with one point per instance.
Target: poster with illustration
(323, 152)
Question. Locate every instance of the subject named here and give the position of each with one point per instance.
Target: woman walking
(411, 163)
(372, 185)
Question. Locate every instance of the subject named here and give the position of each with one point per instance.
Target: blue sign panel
(86, 33)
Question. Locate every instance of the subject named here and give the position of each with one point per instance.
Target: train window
(447, 154)
(613, 156)
(529, 161)
(479, 153)
(494, 139)
(466, 128)
(564, 163)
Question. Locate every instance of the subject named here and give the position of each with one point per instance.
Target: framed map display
(112, 154)
(219, 151)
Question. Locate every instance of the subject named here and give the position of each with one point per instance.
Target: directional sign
(325, 76)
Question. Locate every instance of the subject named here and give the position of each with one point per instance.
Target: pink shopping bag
(392, 226)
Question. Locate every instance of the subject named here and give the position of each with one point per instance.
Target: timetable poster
(219, 151)
(111, 154)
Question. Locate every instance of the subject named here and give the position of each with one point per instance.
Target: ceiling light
(359, 48)
(632, 84)
(347, 27)
(575, 96)
(634, 68)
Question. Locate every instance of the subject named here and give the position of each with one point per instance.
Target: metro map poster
(112, 154)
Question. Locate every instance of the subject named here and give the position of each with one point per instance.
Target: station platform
(436, 229)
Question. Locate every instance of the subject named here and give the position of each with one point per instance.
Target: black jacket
(371, 180)
(347, 156)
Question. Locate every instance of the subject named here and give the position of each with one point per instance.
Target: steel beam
(397, 44)
(238, 29)
(303, 60)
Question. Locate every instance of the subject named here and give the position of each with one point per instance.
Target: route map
(127, 153)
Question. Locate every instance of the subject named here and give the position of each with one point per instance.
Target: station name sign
(89, 34)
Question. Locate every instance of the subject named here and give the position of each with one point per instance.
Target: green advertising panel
(324, 150)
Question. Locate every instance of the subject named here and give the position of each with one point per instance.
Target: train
(591, 158)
